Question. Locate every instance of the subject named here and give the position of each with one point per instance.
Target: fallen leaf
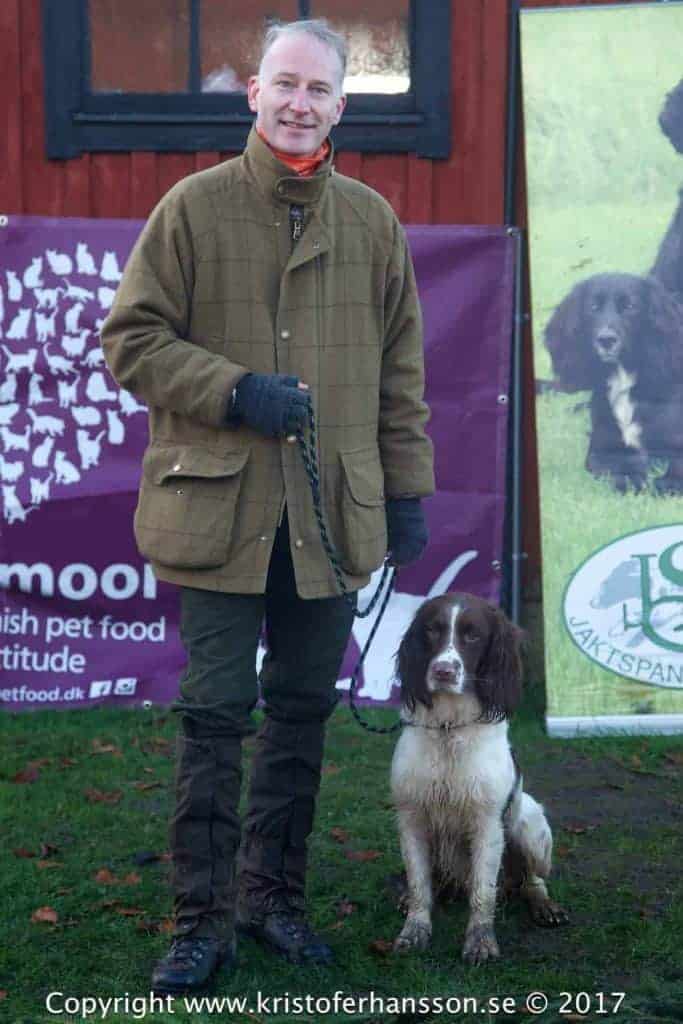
(674, 757)
(130, 911)
(63, 892)
(97, 796)
(167, 925)
(43, 864)
(345, 907)
(579, 830)
(340, 835)
(45, 914)
(362, 855)
(28, 774)
(67, 762)
(131, 879)
(105, 877)
(3, 993)
(98, 747)
(108, 904)
(330, 768)
(146, 785)
(381, 947)
(562, 851)
(23, 852)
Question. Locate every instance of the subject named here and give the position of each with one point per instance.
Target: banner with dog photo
(603, 111)
(82, 619)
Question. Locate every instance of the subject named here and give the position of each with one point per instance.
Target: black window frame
(79, 121)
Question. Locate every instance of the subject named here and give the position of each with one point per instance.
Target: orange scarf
(304, 166)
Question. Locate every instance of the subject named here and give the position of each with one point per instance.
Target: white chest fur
(623, 407)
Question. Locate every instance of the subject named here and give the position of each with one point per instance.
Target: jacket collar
(277, 181)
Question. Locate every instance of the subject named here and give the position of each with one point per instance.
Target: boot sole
(292, 958)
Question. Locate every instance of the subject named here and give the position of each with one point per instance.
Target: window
(171, 75)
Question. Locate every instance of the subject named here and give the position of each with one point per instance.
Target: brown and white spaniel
(462, 811)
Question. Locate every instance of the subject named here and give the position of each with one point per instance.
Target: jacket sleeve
(406, 451)
(145, 336)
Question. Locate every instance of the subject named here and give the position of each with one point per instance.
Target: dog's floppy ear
(412, 660)
(671, 117)
(499, 673)
(566, 341)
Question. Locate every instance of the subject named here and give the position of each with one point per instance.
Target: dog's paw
(414, 935)
(480, 946)
(548, 914)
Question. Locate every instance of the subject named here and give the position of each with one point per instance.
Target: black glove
(407, 530)
(270, 403)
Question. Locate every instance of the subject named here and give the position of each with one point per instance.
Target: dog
(621, 337)
(457, 789)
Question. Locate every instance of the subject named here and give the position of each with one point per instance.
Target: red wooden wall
(467, 188)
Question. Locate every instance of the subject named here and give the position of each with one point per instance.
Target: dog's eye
(471, 636)
(432, 632)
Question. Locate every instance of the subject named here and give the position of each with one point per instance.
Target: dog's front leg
(487, 851)
(414, 833)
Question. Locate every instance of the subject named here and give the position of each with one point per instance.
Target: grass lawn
(91, 803)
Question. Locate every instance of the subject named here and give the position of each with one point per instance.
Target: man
(256, 288)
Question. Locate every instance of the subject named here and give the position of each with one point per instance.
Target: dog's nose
(445, 671)
(607, 341)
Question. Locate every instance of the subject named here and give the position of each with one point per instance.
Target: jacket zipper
(296, 228)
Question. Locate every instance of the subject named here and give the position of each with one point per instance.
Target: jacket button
(298, 543)
(263, 537)
(180, 491)
(285, 334)
(177, 467)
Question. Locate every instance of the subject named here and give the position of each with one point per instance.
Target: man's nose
(300, 100)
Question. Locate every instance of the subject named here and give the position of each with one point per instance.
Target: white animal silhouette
(116, 431)
(35, 391)
(20, 360)
(8, 388)
(89, 448)
(65, 470)
(71, 318)
(110, 267)
(75, 345)
(40, 489)
(10, 471)
(74, 291)
(48, 297)
(60, 263)
(85, 264)
(128, 404)
(95, 357)
(45, 326)
(18, 329)
(15, 442)
(46, 424)
(86, 415)
(105, 296)
(378, 667)
(7, 413)
(58, 364)
(13, 509)
(96, 388)
(67, 393)
(32, 278)
(41, 454)
(15, 288)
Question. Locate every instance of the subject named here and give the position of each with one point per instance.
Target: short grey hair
(319, 28)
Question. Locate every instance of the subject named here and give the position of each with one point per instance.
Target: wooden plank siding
(467, 188)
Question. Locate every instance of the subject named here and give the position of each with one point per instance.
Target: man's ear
(253, 89)
(341, 103)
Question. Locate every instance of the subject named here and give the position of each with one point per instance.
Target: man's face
(297, 97)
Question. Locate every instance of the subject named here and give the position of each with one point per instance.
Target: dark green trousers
(218, 690)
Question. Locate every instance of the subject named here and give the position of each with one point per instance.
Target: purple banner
(82, 619)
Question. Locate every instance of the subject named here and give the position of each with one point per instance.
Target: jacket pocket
(364, 525)
(186, 506)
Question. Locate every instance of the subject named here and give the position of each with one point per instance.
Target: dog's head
(671, 117)
(459, 644)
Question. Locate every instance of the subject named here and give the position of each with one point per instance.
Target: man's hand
(273, 404)
(407, 530)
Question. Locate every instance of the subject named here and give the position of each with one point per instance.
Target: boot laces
(188, 952)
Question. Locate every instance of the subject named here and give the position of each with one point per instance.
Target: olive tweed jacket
(214, 289)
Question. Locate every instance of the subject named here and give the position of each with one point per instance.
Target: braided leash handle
(308, 454)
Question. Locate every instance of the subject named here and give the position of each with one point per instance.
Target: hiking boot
(288, 934)
(191, 962)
